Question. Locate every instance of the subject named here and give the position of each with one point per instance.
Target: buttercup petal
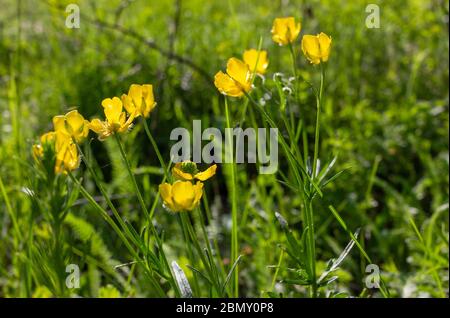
(179, 174)
(165, 190)
(208, 173)
(75, 121)
(97, 126)
(183, 195)
(316, 48)
(239, 72)
(198, 189)
(113, 109)
(311, 49)
(226, 85)
(101, 128)
(59, 123)
(135, 92)
(285, 30)
(325, 46)
(48, 137)
(148, 98)
(252, 56)
(128, 104)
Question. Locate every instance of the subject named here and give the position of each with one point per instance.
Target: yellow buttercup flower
(256, 60)
(285, 30)
(67, 158)
(236, 81)
(38, 151)
(72, 124)
(188, 171)
(316, 47)
(181, 196)
(140, 100)
(116, 119)
(63, 150)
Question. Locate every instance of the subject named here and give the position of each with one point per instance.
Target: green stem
(383, 288)
(292, 138)
(234, 226)
(194, 239)
(209, 250)
(189, 252)
(216, 244)
(289, 155)
(58, 258)
(102, 212)
(10, 211)
(118, 231)
(294, 60)
(144, 209)
(311, 245)
(124, 227)
(274, 279)
(319, 104)
(308, 203)
(154, 144)
(105, 195)
(296, 90)
(131, 175)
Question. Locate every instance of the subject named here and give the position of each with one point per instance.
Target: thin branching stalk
(123, 226)
(214, 239)
(190, 252)
(154, 145)
(234, 226)
(194, 239)
(309, 212)
(119, 232)
(145, 210)
(209, 250)
(317, 133)
(274, 279)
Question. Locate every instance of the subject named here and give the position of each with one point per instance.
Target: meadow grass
(363, 152)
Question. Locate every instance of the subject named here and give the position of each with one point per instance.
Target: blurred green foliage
(385, 115)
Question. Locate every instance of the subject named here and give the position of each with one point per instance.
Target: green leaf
(182, 281)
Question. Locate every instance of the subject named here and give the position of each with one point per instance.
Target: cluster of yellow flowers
(60, 143)
(72, 129)
(185, 193)
(139, 102)
(237, 81)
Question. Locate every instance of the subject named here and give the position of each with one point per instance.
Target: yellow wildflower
(72, 124)
(285, 30)
(188, 171)
(181, 196)
(64, 153)
(236, 81)
(46, 139)
(256, 60)
(67, 158)
(116, 119)
(316, 47)
(140, 100)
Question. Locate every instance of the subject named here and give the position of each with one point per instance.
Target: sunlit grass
(363, 164)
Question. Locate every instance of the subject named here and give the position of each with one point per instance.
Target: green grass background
(385, 115)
